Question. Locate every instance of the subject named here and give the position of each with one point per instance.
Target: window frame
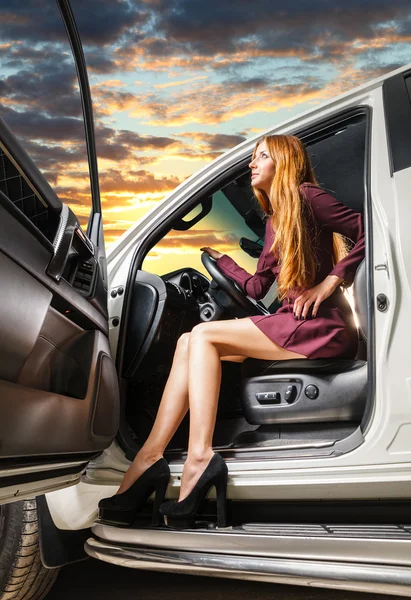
(86, 102)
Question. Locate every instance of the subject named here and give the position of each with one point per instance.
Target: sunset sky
(177, 82)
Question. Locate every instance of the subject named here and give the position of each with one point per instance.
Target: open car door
(59, 401)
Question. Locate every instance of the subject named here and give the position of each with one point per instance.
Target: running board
(353, 557)
(356, 576)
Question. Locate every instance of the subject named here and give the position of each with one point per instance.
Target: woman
(305, 252)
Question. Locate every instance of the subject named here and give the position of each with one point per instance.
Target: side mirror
(253, 249)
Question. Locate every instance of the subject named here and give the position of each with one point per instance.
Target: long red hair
(295, 233)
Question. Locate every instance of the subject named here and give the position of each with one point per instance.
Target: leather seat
(302, 390)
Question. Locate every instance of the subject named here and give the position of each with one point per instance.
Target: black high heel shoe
(182, 514)
(123, 508)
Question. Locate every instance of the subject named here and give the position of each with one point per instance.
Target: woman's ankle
(200, 456)
(141, 463)
(149, 455)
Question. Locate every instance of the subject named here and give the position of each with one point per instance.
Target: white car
(318, 451)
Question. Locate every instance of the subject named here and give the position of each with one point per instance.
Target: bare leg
(173, 407)
(208, 343)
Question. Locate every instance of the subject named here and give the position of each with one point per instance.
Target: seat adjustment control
(311, 391)
(268, 397)
(290, 393)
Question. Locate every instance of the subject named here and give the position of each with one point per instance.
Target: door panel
(24, 306)
(69, 419)
(58, 385)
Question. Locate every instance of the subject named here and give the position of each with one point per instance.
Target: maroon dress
(332, 333)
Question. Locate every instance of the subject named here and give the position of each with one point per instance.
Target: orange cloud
(141, 182)
(181, 82)
(109, 83)
(192, 106)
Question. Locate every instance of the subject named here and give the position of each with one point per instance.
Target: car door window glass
(221, 230)
(41, 104)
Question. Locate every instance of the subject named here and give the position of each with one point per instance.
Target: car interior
(266, 408)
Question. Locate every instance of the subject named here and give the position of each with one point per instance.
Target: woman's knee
(199, 332)
(186, 339)
(183, 342)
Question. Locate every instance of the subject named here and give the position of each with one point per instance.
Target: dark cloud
(110, 150)
(48, 89)
(54, 160)
(199, 34)
(37, 132)
(137, 181)
(38, 23)
(221, 141)
(18, 55)
(121, 30)
(404, 26)
(31, 124)
(30, 20)
(147, 142)
(98, 62)
(39, 20)
(124, 144)
(214, 142)
(215, 26)
(252, 84)
(108, 20)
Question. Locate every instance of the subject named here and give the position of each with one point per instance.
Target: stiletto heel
(161, 489)
(182, 514)
(221, 493)
(123, 508)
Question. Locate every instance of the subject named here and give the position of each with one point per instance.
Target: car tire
(22, 575)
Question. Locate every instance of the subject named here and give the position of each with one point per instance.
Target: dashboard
(193, 288)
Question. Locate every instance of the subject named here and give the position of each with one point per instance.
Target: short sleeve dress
(332, 333)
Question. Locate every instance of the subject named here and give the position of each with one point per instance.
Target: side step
(368, 558)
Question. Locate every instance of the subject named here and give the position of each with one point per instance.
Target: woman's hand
(314, 296)
(213, 253)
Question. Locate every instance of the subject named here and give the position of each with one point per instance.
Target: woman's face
(262, 169)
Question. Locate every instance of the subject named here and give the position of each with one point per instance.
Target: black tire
(22, 575)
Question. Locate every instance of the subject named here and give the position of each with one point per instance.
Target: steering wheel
(229, 286)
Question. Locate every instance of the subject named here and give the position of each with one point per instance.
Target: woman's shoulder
(311, 191)
(306, 186)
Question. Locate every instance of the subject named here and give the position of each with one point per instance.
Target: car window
(221, 230)
(41, 102)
